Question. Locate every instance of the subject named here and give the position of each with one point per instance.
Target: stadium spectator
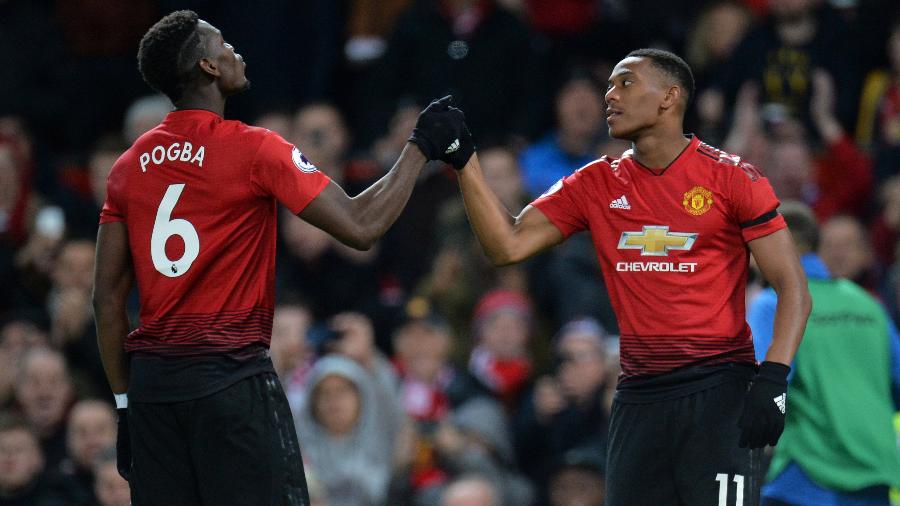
(331, 275)
(502, 323)
(711, 42)
(834, 179)
(846, 251)
(16, 204)
(347, 438)
(572, 285)
(430, 389)
(72, 329)
(476, 440)
(22, 480)
(440, 46)
(370, 23)
(82, 205)
(781, 54)
(292, 353)
(411, 245)
(109, 487)
(459, 271)
(838, 445)
(878, 125)
(144, 114)
(35, 261)
(578, 479)
(17, 336)
(279, 121)
(44, 391)
(568, 409)
(471, 490)
(430, 386)
(15, 181)
(323, 133)
(717, 31)
(885, 228)
(91, 430)
(573, 143)
(354, 337)
(386, 148)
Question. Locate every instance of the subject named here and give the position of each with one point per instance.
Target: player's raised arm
(505, 239)
(360, 221)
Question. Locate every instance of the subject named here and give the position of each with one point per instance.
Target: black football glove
(461, 149)
(437, 128)
(123, 445)
(762, 420)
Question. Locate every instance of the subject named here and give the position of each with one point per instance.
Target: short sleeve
(563, 205)
(280, 170)
(112, 209)
(755, 203)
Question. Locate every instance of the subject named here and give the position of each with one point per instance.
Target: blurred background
(447, 381)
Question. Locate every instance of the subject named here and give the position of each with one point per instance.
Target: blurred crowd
(417, 373)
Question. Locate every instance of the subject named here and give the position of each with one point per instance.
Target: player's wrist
(426, 147)
(121, 400)
(775, 372)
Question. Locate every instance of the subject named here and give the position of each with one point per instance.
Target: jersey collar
(677, 162)
(192, 115)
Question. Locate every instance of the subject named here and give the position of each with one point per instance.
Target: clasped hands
(441, 133)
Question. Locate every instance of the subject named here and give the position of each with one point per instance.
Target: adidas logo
(780, 401)
(453, 147)
(620, 203)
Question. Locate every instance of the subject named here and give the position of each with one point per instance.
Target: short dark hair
(168, 51)
(670, 64)
(802, 223)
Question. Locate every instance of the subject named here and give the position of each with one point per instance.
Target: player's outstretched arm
(360, 221)
(505, 240)
(113, 278)
(777, 259)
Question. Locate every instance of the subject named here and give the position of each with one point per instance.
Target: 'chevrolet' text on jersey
(198, 195)
(672, 248)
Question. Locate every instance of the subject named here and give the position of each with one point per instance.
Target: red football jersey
(672, 249)
(199, 196)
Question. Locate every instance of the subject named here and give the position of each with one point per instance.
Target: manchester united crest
(697, 200)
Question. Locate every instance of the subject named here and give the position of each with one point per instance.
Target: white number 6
(163, 228)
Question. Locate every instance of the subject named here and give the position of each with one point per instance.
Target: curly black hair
(168, 52)
(672, 65)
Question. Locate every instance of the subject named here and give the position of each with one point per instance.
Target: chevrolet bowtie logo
(657, 241)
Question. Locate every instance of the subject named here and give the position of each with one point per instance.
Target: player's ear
(209, 67)
(672, 97)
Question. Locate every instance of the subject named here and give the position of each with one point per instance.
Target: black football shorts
(235, 447)
(682, 452)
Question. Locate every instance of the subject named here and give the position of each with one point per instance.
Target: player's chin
(618, 132)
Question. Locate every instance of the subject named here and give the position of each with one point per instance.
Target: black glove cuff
(774, 372)
(424, 145)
